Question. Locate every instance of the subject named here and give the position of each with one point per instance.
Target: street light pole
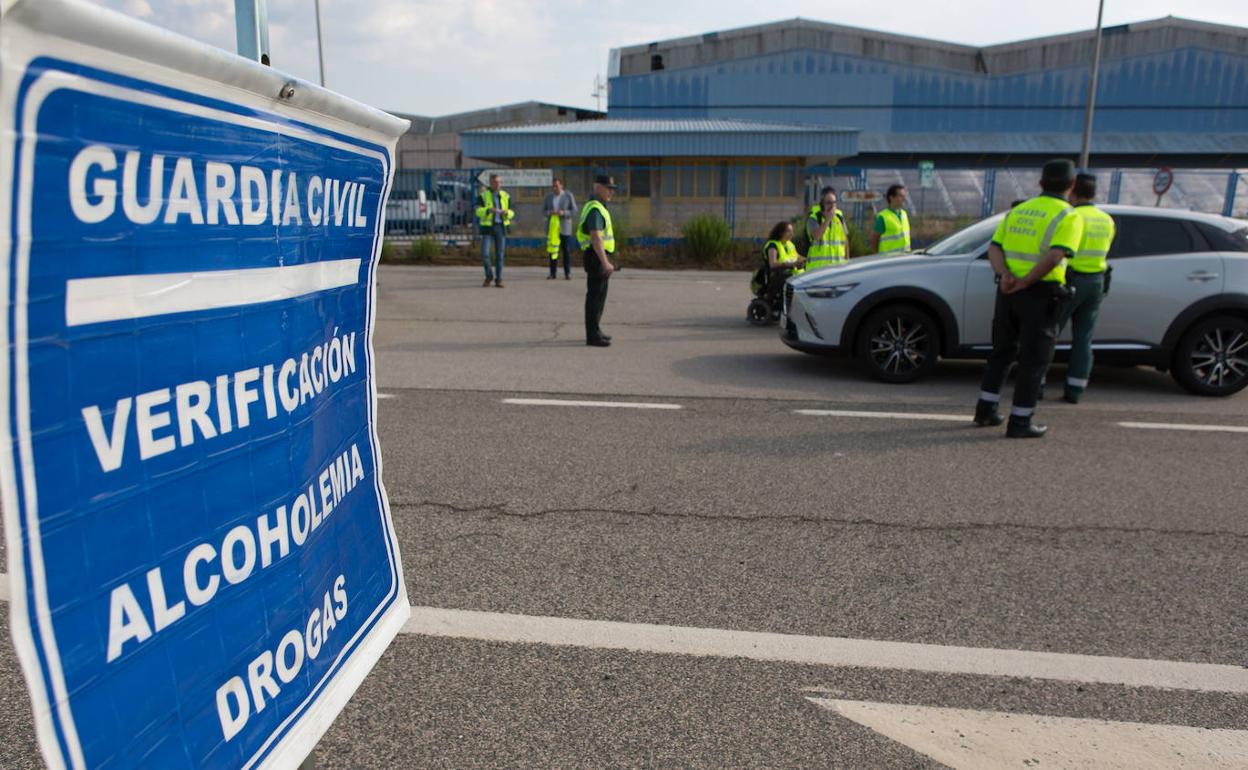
(320, 43)
(1096, 69)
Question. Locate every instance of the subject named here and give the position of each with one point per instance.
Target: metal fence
(654, 201)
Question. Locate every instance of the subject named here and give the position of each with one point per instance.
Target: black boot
(1022, 427)
(986, 414)
(1072, 395)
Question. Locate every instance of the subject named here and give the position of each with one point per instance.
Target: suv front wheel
(898, 343)
(1212, 357)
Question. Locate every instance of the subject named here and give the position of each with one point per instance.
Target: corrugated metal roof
(1057, 143)
(682, 126)
(692, 138)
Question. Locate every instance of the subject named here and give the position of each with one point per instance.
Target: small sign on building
(519, 177)
(927, 173)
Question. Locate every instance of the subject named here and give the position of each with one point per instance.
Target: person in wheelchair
(780, 260)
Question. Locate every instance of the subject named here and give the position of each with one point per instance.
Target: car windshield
(966, 241)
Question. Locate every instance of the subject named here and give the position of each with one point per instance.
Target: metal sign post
(251, 22)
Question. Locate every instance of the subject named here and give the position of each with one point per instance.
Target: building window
(639, 181)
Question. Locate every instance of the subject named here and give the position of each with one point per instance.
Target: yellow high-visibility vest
(896, 236)
(485, 212)
(830, 248)
(608, 234)
(786, 251)
(1032, 228)
(552, 237)
(1098, 234)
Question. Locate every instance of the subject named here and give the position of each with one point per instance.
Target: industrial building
(434, 142)
(754, 118)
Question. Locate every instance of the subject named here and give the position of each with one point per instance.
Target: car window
(1224, 240)
(1142, 236)
(966, 241)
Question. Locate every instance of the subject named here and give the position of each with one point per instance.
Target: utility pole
(320, 42)
(251, 22)
(600, 88)
(1096, 69)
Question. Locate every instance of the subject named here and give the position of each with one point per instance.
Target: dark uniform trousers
(595, 294)
(1024, 326)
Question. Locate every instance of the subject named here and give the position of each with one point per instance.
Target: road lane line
(885, 415)
(605, 404)
(817, 650)
(1184, 426)
(826, 651)
(987, 740)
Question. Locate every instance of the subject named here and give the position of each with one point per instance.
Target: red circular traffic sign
(1162, 181)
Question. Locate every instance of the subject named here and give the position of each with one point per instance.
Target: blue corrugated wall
(1179, 90)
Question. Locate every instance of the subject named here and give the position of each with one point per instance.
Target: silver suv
(1178, 301)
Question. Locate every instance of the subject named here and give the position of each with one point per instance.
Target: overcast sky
(434, 57)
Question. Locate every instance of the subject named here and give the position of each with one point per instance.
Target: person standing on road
(494, 216)
(891, 234)
(560, 207)
(1088, 275)
(827, 233)
(1028, 253)
(596, 238)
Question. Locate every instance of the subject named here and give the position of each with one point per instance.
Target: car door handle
(1202, 275)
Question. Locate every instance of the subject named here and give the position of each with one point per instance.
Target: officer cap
(605, 181)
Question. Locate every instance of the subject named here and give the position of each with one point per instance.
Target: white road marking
(885, 415)
(385, 395)
(123, 297)
(817, 650)
(1184, 426)
(826, 651)
(987, 740)
(605, 404)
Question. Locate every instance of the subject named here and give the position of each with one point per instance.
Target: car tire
(759, 312)
(1211, 358)
(898, 343)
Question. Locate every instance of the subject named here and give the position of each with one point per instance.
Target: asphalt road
(735, 512)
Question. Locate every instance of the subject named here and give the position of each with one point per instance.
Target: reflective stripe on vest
(552, 236)
(786, 252)
(896, 236)
(608, 235)
(1098, 235)
(485, 212)
(1024, 246)
(830, 249)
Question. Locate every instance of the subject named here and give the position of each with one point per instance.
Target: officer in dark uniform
(1028, 253)
(596, 237)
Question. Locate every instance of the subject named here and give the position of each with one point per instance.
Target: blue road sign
(203, 565)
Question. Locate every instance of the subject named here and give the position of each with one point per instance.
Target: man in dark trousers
(597, 241)
(1028, 253)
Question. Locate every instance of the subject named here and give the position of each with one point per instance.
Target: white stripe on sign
(826, 651)
(1184, 426)
(885, 415)
(987, 740)
(124, 297)
(816, 650)
(605, 404)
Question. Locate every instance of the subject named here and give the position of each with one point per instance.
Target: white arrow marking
(988, 740)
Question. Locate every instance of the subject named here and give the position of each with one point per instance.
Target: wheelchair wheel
(759, 312)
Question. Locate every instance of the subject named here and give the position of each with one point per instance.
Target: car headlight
(830, 292)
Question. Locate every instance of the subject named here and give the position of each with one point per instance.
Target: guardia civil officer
(891, 234)
(1028, 253)
(596, 238)
(826, 233)
(1088, 275)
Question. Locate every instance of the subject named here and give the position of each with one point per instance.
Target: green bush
(707, 238)
(389, 253)
(424, 250)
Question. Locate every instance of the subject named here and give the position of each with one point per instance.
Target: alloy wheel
(900, 346)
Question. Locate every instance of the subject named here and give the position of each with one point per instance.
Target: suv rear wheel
(898, 343)
(1212, 357)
